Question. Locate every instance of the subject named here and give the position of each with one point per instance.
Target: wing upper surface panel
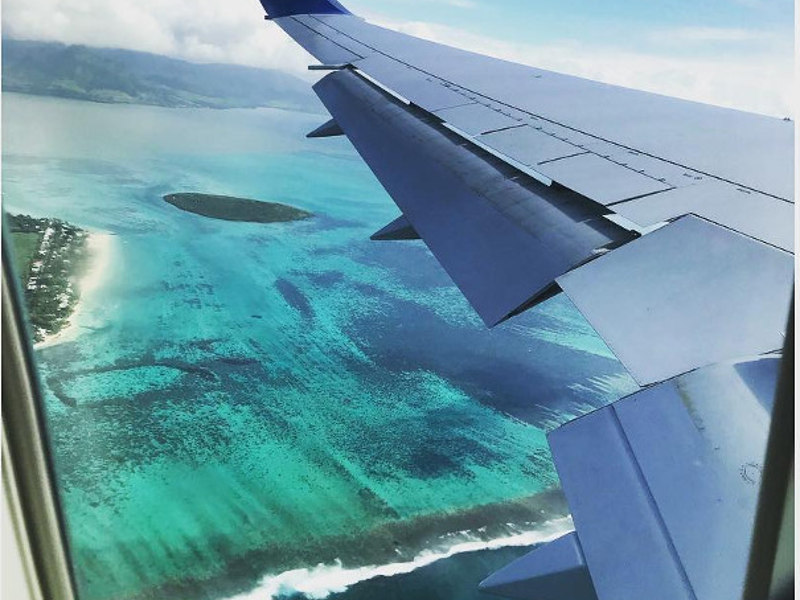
(600, 179)
(320, 47)
(672, 174)
(762, 217)
(530, 146)
(475, 119)
(417, 87)
(334, 36)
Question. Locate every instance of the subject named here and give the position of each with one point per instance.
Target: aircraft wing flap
(606, 495)
(545, 573)
(700, 445)
(657, 479)
(502, 238)
(665, 303)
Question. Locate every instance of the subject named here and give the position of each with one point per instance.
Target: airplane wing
(668, 223)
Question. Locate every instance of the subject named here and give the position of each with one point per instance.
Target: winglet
(286, 8)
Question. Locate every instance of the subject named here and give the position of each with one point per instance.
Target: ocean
(282, 410)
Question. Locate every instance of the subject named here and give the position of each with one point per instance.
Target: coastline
(335, 565)
(321, 581)
(99, 246)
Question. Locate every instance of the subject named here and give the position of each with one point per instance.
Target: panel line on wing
(541, 178)
(502, 129)
(552, 160)
(756, 215)
(357, 47)
(315, 32)
(647, 195)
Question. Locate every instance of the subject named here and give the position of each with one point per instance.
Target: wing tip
(286, 8)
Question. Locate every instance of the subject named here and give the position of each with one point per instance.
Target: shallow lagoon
(248, 399)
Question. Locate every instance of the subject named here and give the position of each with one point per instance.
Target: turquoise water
(243, 400)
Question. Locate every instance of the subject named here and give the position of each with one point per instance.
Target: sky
(736, 53)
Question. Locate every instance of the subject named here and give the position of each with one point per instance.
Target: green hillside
(124, 76)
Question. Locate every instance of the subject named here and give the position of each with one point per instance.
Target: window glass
(259, 402)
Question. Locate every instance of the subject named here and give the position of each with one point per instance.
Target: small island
(230, 208)
(50, 255)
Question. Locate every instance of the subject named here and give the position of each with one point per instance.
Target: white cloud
(705, 35)
(461, 3)
(201, 30)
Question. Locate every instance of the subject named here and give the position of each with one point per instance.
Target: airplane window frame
(28, 473)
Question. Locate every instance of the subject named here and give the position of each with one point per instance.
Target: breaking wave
(317, 583)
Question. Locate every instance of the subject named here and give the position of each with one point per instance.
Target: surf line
(317, 583)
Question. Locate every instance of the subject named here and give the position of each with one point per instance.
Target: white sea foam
(319, 582)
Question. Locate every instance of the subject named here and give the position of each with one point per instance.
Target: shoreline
(283, 108)
(99, 246)
(320, 568)
(323, 580)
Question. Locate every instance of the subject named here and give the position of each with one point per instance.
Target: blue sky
(597, 20)
(736, 53)
(618, 23)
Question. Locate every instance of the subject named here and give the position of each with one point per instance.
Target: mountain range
(125, 76)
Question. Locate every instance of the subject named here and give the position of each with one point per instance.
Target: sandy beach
(100, 246)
